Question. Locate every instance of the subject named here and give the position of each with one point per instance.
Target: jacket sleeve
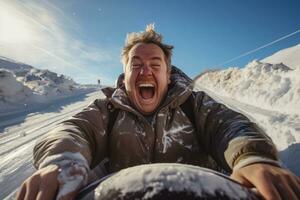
(84, 133)
(230, 137)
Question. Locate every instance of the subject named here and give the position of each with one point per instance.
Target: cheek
(130, 81)
(127, 82)
(165, 76)
(163, 82)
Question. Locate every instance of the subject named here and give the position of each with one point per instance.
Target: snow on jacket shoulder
(219, 137)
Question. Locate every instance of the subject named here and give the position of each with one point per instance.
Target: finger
(295, 185)
(21, 193)
(47, 191)
(32, 188)
(285, 190)
(45, 194)
(297, 179)
(266, 188)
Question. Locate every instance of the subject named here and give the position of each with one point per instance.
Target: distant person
(153, 116)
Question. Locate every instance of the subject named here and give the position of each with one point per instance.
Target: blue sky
(83, 39)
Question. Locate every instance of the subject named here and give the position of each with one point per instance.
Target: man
(158, 118)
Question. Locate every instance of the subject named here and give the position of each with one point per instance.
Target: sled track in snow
(34, 133)
(16, 147)
(37, 125)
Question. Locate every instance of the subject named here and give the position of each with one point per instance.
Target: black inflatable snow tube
(169, 181)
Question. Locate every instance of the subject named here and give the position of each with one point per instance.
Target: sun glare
(14, 28)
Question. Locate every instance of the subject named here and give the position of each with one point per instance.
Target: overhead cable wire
(259, 48)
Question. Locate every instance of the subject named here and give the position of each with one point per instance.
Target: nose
(146, 70)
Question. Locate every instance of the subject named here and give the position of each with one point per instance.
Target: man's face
(146, 77)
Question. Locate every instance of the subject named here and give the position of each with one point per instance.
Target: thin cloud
(50, 45)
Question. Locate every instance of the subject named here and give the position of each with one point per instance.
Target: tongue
(147, 92)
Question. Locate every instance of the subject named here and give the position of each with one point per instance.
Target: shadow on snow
(18, 117)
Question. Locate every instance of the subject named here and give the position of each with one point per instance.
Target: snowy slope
(23, 87)
(20, 69)
(271, 86)
(12, 92)
(268, 94)
(289, 57)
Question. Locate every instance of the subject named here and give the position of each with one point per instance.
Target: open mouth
(146, 91)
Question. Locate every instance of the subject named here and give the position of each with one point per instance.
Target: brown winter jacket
(220, 136)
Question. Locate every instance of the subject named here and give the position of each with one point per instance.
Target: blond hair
(147, 36)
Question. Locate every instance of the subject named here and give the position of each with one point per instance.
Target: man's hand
(272, 182)
(43, 184)
(52, 183)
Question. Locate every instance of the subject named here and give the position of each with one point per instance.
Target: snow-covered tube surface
(170, 181)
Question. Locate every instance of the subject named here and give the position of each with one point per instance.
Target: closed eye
(155, 65)
(136, 66)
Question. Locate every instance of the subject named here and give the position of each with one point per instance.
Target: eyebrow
(156, 58)
(153, 58)
(136, 57)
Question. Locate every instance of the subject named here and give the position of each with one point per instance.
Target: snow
(10, 89)
(173, 135)
(268, 94)
(23, 87)
(154, 178)
(70, 179)
(19, 134)
(73, 171)
(272, 86)
(289, 57)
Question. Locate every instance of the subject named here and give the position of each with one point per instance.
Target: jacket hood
(179, 90)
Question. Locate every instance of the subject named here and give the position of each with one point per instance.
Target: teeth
(146, 85)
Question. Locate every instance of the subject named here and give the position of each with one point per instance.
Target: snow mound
(12, 90)
(170, 181)
(45, 82)
(8, 84)
(23, 87)
(270, 86)
(17, 67)
(289, 56)
(268, 94)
